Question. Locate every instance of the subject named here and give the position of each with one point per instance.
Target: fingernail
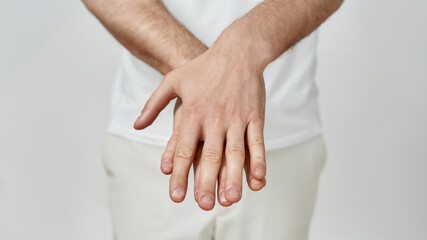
(207, 199)
(232, 192)
(222, 197)
(138, 118)
(177, 193)
(256, 182)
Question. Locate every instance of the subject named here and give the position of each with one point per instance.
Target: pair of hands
(218, 125)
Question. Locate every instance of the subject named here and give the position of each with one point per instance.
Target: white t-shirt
(291, 94)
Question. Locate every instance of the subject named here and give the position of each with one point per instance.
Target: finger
(253, 183)
(255, 139)
(196, 168)
(166, 164)
(235, 155)
(222, 177)
(155, 104)
(209, 167)
(182, 160)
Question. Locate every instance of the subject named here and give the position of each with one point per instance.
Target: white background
(57, 64)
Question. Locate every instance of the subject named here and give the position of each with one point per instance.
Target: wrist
(188, 55)
(239, 41)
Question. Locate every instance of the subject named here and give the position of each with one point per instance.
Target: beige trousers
(141, 207)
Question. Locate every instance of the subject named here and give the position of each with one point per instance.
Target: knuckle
(184, 153)
(218, 112)
(216, 120)
(236, 149)
(193, 110)
(167, 77)
(259, 158)
(238, 120)
(256, 119)
(212, 157)
(258, 141)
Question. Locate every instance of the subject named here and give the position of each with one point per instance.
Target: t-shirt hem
(271, 144)
(291, 140)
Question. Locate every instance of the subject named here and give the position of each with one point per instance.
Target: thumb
(155, 104)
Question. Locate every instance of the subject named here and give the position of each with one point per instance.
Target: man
(231, 67)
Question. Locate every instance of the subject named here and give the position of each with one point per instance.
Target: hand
(167, 162)
(223, 101)
(222, 176)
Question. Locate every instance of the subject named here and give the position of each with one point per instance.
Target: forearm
(273, 27)
(149, 31)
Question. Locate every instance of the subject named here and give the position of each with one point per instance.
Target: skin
(219, 115)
